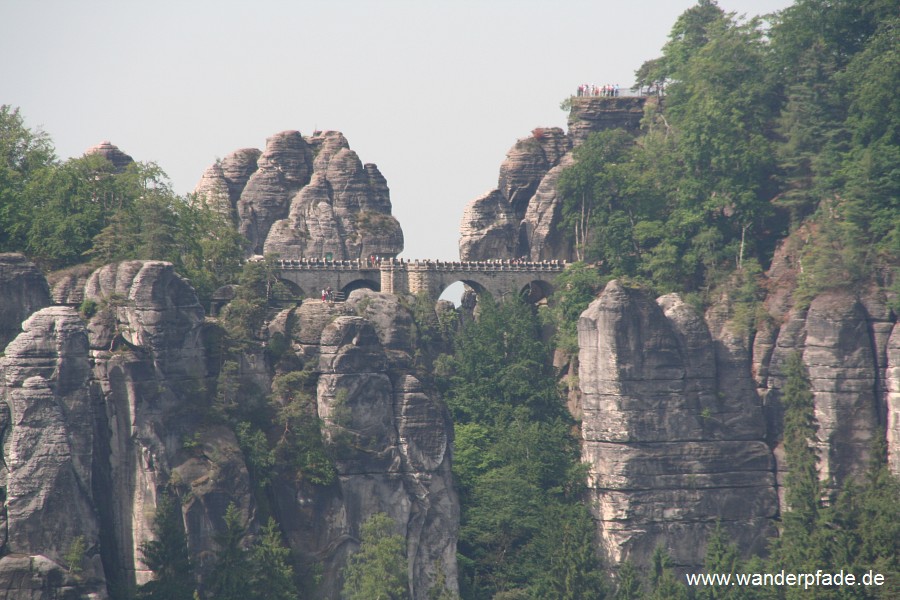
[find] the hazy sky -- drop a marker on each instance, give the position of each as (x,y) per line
(434,93)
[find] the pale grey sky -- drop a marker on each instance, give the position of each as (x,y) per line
(433,92)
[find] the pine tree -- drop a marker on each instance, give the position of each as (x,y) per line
(378,570)
(629,583)
(803,489)
(232,576)
(273,573)
(167,556)
(662,579)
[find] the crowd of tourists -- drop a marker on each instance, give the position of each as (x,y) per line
(589,89)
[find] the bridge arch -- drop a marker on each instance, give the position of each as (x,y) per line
(469,284)
(361,283)
(289,291)
(535,291)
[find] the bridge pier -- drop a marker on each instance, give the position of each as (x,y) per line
(393,277)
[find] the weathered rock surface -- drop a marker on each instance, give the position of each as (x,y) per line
(673,449)
(150,369)
(844,338)
(391,437)
(305,197)
(892,400)
(521,217)
(93,418)
(599,114)
(111,152)
(834,339)
(48,456)
(23,290)
(67,285)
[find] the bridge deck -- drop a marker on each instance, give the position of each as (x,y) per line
(480,266)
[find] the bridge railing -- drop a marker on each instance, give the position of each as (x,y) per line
(489,265)
(316,264)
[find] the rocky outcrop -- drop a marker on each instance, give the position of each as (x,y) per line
(150,372)
(48,458)
(521,216)
(305,197)
(892,400)
(111,152)
(674,448)
(93,418)
(590,114)
(844,339)
(23,290)
(493,225)
(222,184)
(100,417)
(389,433)
(834,340)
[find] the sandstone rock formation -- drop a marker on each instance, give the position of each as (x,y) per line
(674,448)
(23,290)
(391,436)
(521,216)
(48,455)
(844,337)
(111,152)
(305,197)
(95,417)
(99,417)
(149,368)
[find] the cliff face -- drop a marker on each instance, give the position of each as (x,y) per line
(847,339)
(95,415)
(48,452)
(391,436)
(24,291)
(674,444)
(520,217)
(305,197)
(682,412)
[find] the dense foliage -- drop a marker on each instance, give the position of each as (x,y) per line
(262,571)
(763,123)
(62,213)
(524,530)
(378,570)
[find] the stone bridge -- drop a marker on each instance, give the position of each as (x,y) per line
(498,278)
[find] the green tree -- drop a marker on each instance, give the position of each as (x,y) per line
(663,583)
(378,570)
(797,548)
(273,576)
(75,555)
(722,556)
(243,317)
(232,575)
(516,463)
(575,288)
(300,447)
(573,572)
(594,196)
(628,584)
(24,153)
(167,556)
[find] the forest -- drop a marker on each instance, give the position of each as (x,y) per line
(769,128)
